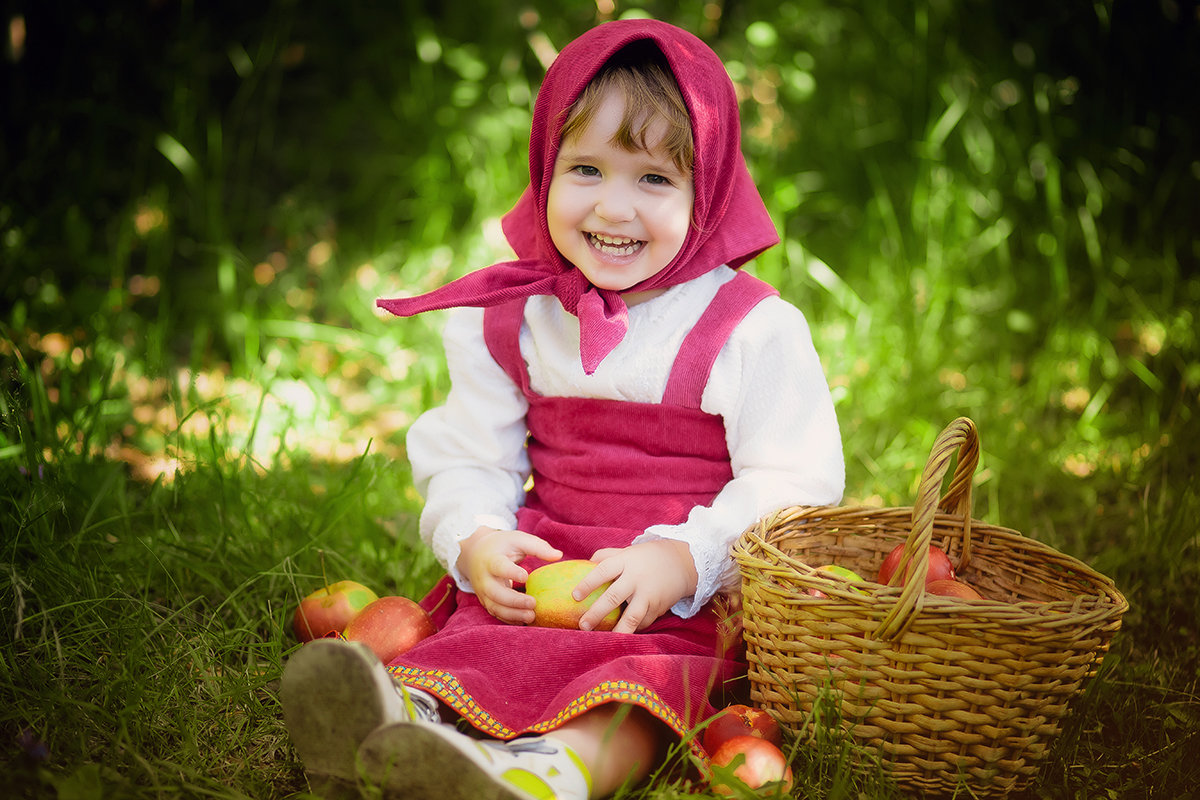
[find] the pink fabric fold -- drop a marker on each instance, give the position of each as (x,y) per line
(730,223)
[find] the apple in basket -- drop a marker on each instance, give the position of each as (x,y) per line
(955,587)
(740,720)
(844,573)
(751,761)
(390,626)
(329,609)
(940,567)
(551,586)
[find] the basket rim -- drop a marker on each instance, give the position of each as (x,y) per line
(754,553)
(819,512)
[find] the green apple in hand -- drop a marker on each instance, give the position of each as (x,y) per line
(551,585)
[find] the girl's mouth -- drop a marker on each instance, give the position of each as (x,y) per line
(614,245)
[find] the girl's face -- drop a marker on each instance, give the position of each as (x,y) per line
(619,216)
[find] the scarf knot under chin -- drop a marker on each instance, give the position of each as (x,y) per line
(603,316)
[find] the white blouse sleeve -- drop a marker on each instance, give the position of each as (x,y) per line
(468,456)
(783,438)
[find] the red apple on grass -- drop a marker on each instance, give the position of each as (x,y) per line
(329,609)
(740,720)
(551,585)
(940,567)
(953,588)
(390,626)
(755,762)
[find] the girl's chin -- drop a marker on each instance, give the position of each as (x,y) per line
(630,296)
(618,278)
(618,286)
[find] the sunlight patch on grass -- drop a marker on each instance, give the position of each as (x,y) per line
(148,218)
(165,424)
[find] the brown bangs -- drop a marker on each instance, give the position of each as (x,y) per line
(644,80)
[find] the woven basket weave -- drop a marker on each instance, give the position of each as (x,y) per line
(945,693)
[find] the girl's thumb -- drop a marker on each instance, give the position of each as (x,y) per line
(543,549)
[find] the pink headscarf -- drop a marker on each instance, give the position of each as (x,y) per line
(731,225)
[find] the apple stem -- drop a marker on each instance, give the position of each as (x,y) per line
(324,577)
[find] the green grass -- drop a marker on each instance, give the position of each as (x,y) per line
(200,412)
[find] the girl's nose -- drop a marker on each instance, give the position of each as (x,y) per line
(615,205)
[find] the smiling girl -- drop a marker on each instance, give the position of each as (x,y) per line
(655,399)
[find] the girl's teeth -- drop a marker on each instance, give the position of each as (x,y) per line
(613,245)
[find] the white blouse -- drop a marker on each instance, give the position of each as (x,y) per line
(767,384)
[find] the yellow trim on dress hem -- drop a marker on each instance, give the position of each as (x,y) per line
(450,691)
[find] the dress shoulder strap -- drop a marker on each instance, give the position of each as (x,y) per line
(502,334)
(694,362)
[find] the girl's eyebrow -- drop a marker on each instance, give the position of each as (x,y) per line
(572,153)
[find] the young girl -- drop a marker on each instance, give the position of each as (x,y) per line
(660,400)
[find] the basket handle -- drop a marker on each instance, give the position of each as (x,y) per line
(961,436)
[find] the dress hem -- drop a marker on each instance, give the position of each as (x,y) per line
(450,691)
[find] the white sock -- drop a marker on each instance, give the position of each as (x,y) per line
(419,704)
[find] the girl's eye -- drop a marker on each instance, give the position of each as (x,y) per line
(587,170)
(657,180)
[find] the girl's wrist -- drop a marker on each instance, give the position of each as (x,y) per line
(681,552)
(468,545)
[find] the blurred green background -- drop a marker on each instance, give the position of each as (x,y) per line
(988,208)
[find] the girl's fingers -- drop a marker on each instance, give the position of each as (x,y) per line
(530,545)
(512,616)
(502,594)
(612,597)
(509,605)
(631,620)
(602,573)
(508,570)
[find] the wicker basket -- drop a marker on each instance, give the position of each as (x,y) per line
(945,693)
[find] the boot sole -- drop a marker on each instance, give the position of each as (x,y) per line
(419,761)
(334,694)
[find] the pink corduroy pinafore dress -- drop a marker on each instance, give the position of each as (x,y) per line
(603,472)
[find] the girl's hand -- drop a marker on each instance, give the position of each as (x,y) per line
(489,559)
(649,577)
